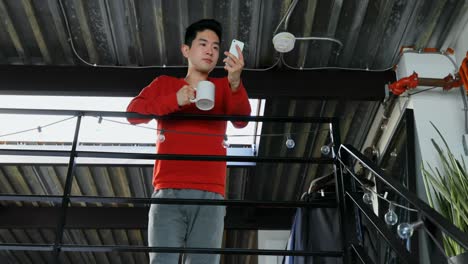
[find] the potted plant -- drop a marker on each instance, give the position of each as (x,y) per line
(446,190)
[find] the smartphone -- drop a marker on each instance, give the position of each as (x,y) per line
(233,49)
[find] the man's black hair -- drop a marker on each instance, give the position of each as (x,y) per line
(199,26)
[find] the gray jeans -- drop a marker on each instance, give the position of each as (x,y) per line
(177,225)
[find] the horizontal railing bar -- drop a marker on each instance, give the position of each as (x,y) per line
(291,119)
(227,251)
(382,229)
(204,157)
(425,210)
(118,248)
(148,156)
(319,203)
(329,203)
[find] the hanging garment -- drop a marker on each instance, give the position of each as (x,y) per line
(315,229)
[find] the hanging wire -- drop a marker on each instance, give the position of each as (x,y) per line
(361,69)
(425,90)
(75,52)
(280,57)
(286,16)
(455,66)
(332,68)
(36,128)
(128,124)
(212,135)
(443,53)
(438,245)
(421,91)
(374,192)
(100,118)
(437,53)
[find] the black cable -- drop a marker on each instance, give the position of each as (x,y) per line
(213,135)
(37,128)
(425,90)
(75,52)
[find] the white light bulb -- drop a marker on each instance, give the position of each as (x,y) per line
(405,230)
(325,149)
(391,218)
(367,197)
(161,137)
(290,143)
(225,142)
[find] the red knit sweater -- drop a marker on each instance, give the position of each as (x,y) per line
(159,98)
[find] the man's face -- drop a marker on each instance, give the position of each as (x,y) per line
(204,52)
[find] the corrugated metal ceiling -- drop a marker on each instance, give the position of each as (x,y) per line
(148,32)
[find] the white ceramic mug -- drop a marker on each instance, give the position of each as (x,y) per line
(205,94)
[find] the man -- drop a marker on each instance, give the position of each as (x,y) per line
(191,225)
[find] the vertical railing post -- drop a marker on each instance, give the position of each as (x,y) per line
(66,194)
(340,190)
(411,171)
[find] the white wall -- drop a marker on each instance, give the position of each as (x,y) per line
(272,239)
(443,108)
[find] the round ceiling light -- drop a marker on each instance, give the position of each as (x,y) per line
(284,42)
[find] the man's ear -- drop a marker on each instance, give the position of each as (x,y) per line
(185,50)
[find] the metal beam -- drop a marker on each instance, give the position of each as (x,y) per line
(237,218)
(95,81)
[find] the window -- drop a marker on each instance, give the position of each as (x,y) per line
(56,132)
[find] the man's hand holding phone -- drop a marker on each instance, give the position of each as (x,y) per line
(234,63)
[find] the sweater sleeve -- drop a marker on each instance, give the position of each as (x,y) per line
(155,99)
(238,104)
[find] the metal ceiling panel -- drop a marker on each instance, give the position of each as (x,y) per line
(134,33)
(149,32)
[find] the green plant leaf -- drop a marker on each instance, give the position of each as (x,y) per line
(447,189)
(440,135)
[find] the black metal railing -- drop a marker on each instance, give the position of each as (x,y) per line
(347,156)
(66,198)
(347,198)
